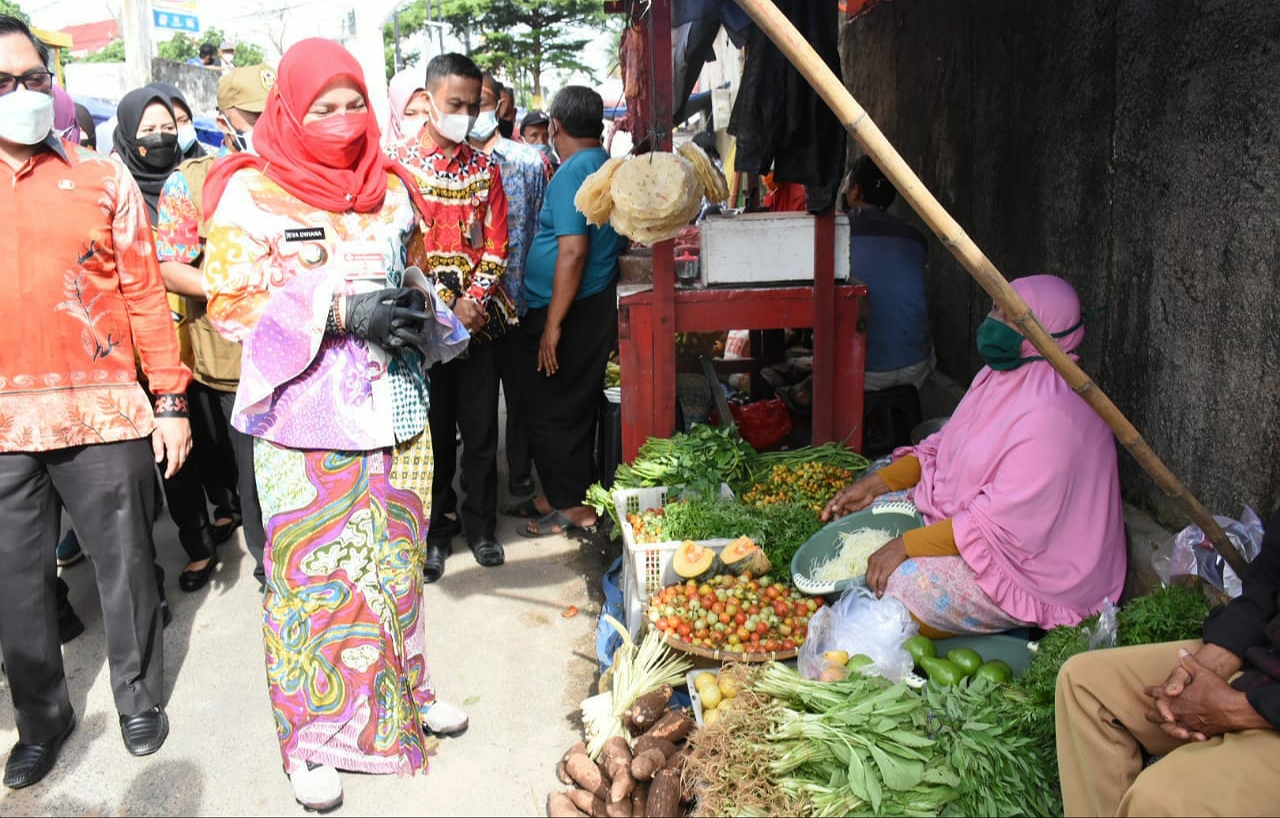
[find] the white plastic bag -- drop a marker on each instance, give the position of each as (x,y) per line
(1189,553)
(859,623)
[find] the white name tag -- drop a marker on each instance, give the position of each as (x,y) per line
(361,260)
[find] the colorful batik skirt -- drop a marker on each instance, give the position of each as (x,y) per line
(346,535)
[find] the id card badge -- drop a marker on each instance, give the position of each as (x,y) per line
(477,234)
(361,261)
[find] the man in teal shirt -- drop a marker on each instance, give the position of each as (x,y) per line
(571,278)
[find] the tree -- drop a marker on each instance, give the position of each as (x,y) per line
(519,40)
(178,48)
(14,10)
(112,52)
(527,38)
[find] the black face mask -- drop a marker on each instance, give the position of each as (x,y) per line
(506,127)
(158,150)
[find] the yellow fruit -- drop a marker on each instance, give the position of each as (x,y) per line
(836,657)
(833,673)
(729,687)
(702,678)
(711,697)
(710,717)
(727,704)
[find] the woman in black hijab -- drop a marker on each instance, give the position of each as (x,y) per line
(146,140)
(188,143)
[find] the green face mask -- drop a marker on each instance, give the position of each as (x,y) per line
(1001,345)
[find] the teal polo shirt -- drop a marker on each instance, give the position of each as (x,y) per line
(559,217)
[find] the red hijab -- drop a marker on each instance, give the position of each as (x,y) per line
(283,151)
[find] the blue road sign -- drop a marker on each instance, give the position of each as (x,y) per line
(177,22)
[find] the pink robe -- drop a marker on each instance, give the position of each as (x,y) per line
(1027,472)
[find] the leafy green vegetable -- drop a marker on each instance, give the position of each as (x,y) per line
(780,529)
(1167,614)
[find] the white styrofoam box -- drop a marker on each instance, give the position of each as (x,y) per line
(756,248)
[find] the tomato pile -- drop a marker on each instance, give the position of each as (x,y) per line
(647,526)
(808,484)
(734,613)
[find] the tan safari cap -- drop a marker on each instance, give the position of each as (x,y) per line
(246,88)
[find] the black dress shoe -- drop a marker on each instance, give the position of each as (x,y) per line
(433,567)
(192,581)
(145,732)
(488,552)
(521,486)
(28,763)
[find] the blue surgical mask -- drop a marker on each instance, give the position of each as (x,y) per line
(1001,345)
(486,123)
(186,137)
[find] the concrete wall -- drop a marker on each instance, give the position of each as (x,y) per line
(1132,147)
(106,80)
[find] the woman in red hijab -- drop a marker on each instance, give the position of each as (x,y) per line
(305,266)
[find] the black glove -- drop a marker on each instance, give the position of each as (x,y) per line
(384,316)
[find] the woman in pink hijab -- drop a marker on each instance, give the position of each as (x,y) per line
(65,124)
(1019,491)
(407,93)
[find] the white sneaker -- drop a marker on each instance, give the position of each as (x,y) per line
(317,788)
(445,719)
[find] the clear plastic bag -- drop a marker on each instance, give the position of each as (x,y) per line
(1103,634)
(1189,553)
(859,623)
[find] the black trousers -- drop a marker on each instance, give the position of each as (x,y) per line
(519,458)
(211,452)
(563,409)
(464,396)
(108,489)
(255,536)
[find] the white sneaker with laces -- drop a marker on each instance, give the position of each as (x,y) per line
(445,719)
(317,787)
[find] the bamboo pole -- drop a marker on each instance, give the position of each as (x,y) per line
(948,230)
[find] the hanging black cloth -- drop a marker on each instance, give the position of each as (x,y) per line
(779,121)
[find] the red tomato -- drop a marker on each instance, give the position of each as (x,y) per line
(753,609)
(781,609)
(762,628)
(771,645)
(684,630)
(788,644)
(740,618)
(717,607)
(725,618)
(801,609)
(743,633)
(771,592)
(753,585)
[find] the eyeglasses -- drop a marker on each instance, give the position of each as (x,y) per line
(32,80)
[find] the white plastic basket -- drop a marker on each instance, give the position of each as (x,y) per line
(646,567)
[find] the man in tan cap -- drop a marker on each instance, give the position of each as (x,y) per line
(242,94)
(180,237)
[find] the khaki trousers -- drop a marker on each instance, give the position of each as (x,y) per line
(1102,735)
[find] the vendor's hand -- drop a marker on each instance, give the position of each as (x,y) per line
(171,442)
(882,564)
(1205,705)
(1222,662)
(470,312)
(854,497)
(547,361)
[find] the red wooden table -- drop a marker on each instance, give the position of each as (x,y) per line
(648,393)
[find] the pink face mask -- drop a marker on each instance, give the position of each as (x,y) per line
(337,141)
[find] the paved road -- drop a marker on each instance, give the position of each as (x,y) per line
(497,643)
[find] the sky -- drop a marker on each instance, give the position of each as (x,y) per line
(264,22)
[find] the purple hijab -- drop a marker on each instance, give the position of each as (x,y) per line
(64,116)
